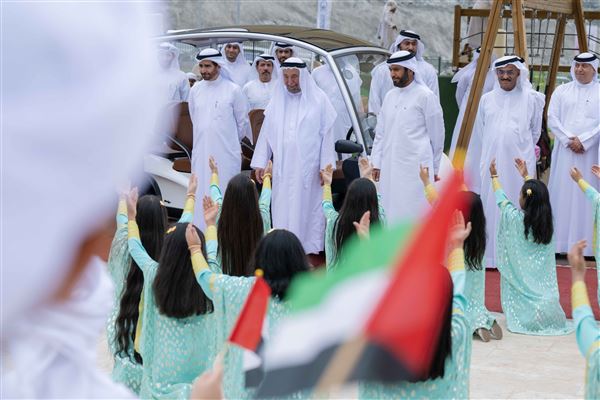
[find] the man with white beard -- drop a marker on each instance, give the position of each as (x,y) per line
(237,65)
(173,80)
(574,119)
(219,113)
(508,126)
(382,83)
(297,132)
(258,91)
(409,134)
(464,80)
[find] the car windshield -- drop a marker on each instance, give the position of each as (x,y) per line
(356,70)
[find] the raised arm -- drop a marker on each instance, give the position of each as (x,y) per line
(136,249)
(587,331)
(430,192)
(327,203)
(554,123)
(204,275)
(188,210)
(214,189)
(589,191)
(501,199)
(211,212)
(264,201)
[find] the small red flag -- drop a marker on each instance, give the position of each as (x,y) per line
(407,318)
(247,331)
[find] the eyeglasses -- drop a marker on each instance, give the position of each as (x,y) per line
(501,72)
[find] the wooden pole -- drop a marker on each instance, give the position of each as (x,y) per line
(580,25)
(487,46)
(520,35)
(555,59)
(456,42)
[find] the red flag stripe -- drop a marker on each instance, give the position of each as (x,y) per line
(247,331)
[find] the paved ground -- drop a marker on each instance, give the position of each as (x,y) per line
(516,367)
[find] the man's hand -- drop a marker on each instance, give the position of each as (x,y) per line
(362,227)
(575,145)
(521,166)
(327,175)
(192,185)
(211,209)
(577,261)
(132,199)
(365,168)
(212,164)
(259,172)
(376,173)
(575,174)
(493,171)
(596,171)
(424,175)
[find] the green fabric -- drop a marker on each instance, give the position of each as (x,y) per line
(593,195)
(529,289)
(478,314)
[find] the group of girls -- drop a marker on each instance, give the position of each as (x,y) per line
(179,290)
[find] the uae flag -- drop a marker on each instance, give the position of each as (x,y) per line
(249,330)
(367,321)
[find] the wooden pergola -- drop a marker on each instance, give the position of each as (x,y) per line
(561,10)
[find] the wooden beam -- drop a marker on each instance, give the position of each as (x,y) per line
(487,46)
(520,35)
(580,25)
(456,42)
(555,60)
(477,12)
(559,6)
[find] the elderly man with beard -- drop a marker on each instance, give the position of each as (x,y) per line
(409,134)
(508,126)
(258,91)
(298,134)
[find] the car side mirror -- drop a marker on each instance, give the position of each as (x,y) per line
(348,147)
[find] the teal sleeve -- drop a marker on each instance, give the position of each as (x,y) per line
(186,218)
(122,220)
(329,210)
(139,254)
(587,332)
(382,218)
(502,200)
(204,278)
(592,194)
(216,196)
(212,248)
(264,204)
(459,301)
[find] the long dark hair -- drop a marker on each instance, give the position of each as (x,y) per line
(176,291)
(240,226)
(474,246)
(538,211)
(360,197)
(281,256)
(444,345)
(151,218)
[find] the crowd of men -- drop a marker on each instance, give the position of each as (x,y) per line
(304,117)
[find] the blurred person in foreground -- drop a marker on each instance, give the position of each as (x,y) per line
(60,168)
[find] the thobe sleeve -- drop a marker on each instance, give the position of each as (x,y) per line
(432,81)
(188,210)
(461,90)
(264,204)
(554,119)
(327,145)
(375,100)
(240,112)
(191,102)
(477,135)
(536,118)
(587,332)
(184,89)
(377,143)
(262,150)
(434,123)
(136,249)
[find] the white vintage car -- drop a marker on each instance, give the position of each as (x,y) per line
(351,61)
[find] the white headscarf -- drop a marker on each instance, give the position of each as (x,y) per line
(280,45)
(470,67)
(409,35)
(241,57)
(265,57)
(408,60)
(587,58)
(174,51)
(67,141)
(216,57)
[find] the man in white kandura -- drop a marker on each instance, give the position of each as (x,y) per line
(173,81)
(238,67)
(381,82)
(258,91)
(574,119)
(409,133)
(508,126)
(219,113)
(464,79)
(297,132)
(283,51)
